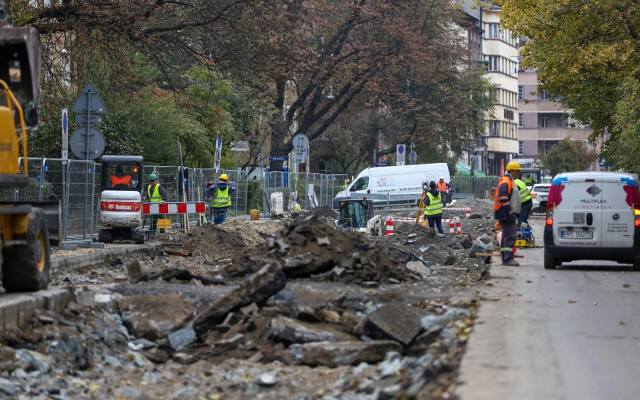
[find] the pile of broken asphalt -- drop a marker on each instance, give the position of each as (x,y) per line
(310,312)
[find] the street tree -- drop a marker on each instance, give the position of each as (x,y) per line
(567,156)
(588,55)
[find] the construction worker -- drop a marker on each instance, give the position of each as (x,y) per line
(443,188)
(433,207)
(526,199)
(120,180)
(154,193)
(345,184)
(506,208)
(219,198)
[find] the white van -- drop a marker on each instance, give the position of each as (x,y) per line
(592,216)
(396,185)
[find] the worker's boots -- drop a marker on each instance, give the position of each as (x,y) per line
(511,263)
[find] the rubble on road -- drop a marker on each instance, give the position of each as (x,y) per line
(311,248)
(226,240)
(277,309)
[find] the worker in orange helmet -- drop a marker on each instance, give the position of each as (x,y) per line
(506,208)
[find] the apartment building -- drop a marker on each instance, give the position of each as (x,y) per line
(543,122)
(500,51)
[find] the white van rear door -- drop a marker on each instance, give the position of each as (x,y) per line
(577,219)
(617,215)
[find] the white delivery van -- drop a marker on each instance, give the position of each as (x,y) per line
(396,185)
(592,216)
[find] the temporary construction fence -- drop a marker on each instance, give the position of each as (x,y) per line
(478,186)
(76,184)
(310,190)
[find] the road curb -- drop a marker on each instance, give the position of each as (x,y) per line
(99,255)
(18,308)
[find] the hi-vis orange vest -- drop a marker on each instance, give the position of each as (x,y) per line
(442,186)
(125,180)
(497,204)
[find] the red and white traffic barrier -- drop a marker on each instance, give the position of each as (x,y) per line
(465,210)
(197,207)
(388,227)
(455,226)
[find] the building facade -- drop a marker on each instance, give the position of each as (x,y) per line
(543,122)
(500,52)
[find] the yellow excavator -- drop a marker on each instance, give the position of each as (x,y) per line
(27,228)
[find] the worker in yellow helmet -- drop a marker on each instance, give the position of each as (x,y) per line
(154,193)
(219,198)
(506,209)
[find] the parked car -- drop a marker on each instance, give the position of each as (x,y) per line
(396,185)
(540,191)
(592,216)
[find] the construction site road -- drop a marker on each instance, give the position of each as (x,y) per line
(570,333)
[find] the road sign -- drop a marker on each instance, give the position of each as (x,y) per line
(400,154)
(300,148)
(278,158)
(240,146)
(65,134)
(87,143)
(89,101)
(94,119)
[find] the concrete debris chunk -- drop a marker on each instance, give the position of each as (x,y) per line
(134,270)
(418,267)
(333,354)
(256,288)
(155,316)
(323,241)
(33,361)
(395,321)
(434,323)
(267,379)
(287,330)
(7,387)
(181,338)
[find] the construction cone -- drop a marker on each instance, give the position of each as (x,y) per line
(388,227)
(458,227)
(451,226)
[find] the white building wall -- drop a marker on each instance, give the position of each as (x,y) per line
(500,51)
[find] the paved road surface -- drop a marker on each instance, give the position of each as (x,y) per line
(572,333)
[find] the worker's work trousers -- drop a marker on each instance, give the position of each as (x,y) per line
(153,225)
(523,217)
(435,222)
(443,196)
(508,240)
(218,214)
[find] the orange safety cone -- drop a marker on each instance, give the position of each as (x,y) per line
(452,227)
(388,227)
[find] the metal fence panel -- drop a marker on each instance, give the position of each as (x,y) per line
(479,186)
(76,183)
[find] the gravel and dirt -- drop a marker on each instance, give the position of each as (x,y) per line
(270,310)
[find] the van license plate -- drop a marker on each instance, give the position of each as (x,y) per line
(576,234)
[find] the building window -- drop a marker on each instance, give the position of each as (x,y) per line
(520,120)
(544,95)
(494,128)
(508,114)
(544,121)
(520,90)
(548,146)
(494,31)
(494,63)
(520,147)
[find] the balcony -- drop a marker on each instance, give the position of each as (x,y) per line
(540,106)
(540,134)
